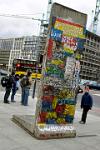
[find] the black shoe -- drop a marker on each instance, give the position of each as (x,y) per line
(81,122)
(7,102)
(13,101)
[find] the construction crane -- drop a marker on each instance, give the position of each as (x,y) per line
(96,15)
(44,29)
(50,2)
(20,17)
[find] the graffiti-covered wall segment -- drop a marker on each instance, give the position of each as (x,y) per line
(61,74)
(56,104)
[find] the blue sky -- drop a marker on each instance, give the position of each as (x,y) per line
(11,27)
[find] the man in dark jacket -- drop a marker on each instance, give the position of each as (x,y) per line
(9,87)
(86,104)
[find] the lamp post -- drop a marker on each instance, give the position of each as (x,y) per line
(34,86)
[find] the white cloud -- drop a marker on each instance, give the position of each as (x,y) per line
(10,27)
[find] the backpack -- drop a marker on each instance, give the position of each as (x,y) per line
(4,81)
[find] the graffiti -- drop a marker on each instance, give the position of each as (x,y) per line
(66,101)
(69,110)
(42,117)
(48,90)
(57,46)
(61,73)
(55,82)
(73,43)
(58,83)
(48,98)
(61,114)
(59,109)
(69,29)
(45,128)
(59,55)
(56,34)
(77,71)
(51,115)
(69,118)
(70,42)
(46,106)
(54,102)
(48,114)
(49,50)
(61,120)
(57,62)
(77,66)
(69,52)
(66,93)
(69,68)
(54,71)
(77,55)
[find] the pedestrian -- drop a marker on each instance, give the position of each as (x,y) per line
(86,104)
(15,87)
(8,87)
(25,85)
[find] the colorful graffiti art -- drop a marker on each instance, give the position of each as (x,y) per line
(61,73)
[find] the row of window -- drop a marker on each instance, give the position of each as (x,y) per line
(92,44)
(89,64)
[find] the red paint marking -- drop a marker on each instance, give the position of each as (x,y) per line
(67,22)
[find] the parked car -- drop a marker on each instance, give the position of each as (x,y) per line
(94,86)
(3,72)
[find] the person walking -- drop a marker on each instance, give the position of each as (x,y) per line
(86,104)
(25,85)
(8,87)
(15,87)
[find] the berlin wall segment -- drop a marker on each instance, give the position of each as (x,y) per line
(56,98)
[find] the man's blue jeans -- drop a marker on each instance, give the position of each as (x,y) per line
(25,94)
(13,94)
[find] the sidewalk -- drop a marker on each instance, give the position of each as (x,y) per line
(12,137)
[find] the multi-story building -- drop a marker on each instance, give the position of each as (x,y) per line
(5,50)
(30,49)
(24,47)
(90,62)
(15,51)
(9,49)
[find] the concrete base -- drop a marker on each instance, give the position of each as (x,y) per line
(44,131)
(54,131)
(25,121)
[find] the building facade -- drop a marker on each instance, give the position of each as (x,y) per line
(90,62)
(24,47)
(16,51)
(5,50)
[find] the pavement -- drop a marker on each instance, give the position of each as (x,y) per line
(13,137)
